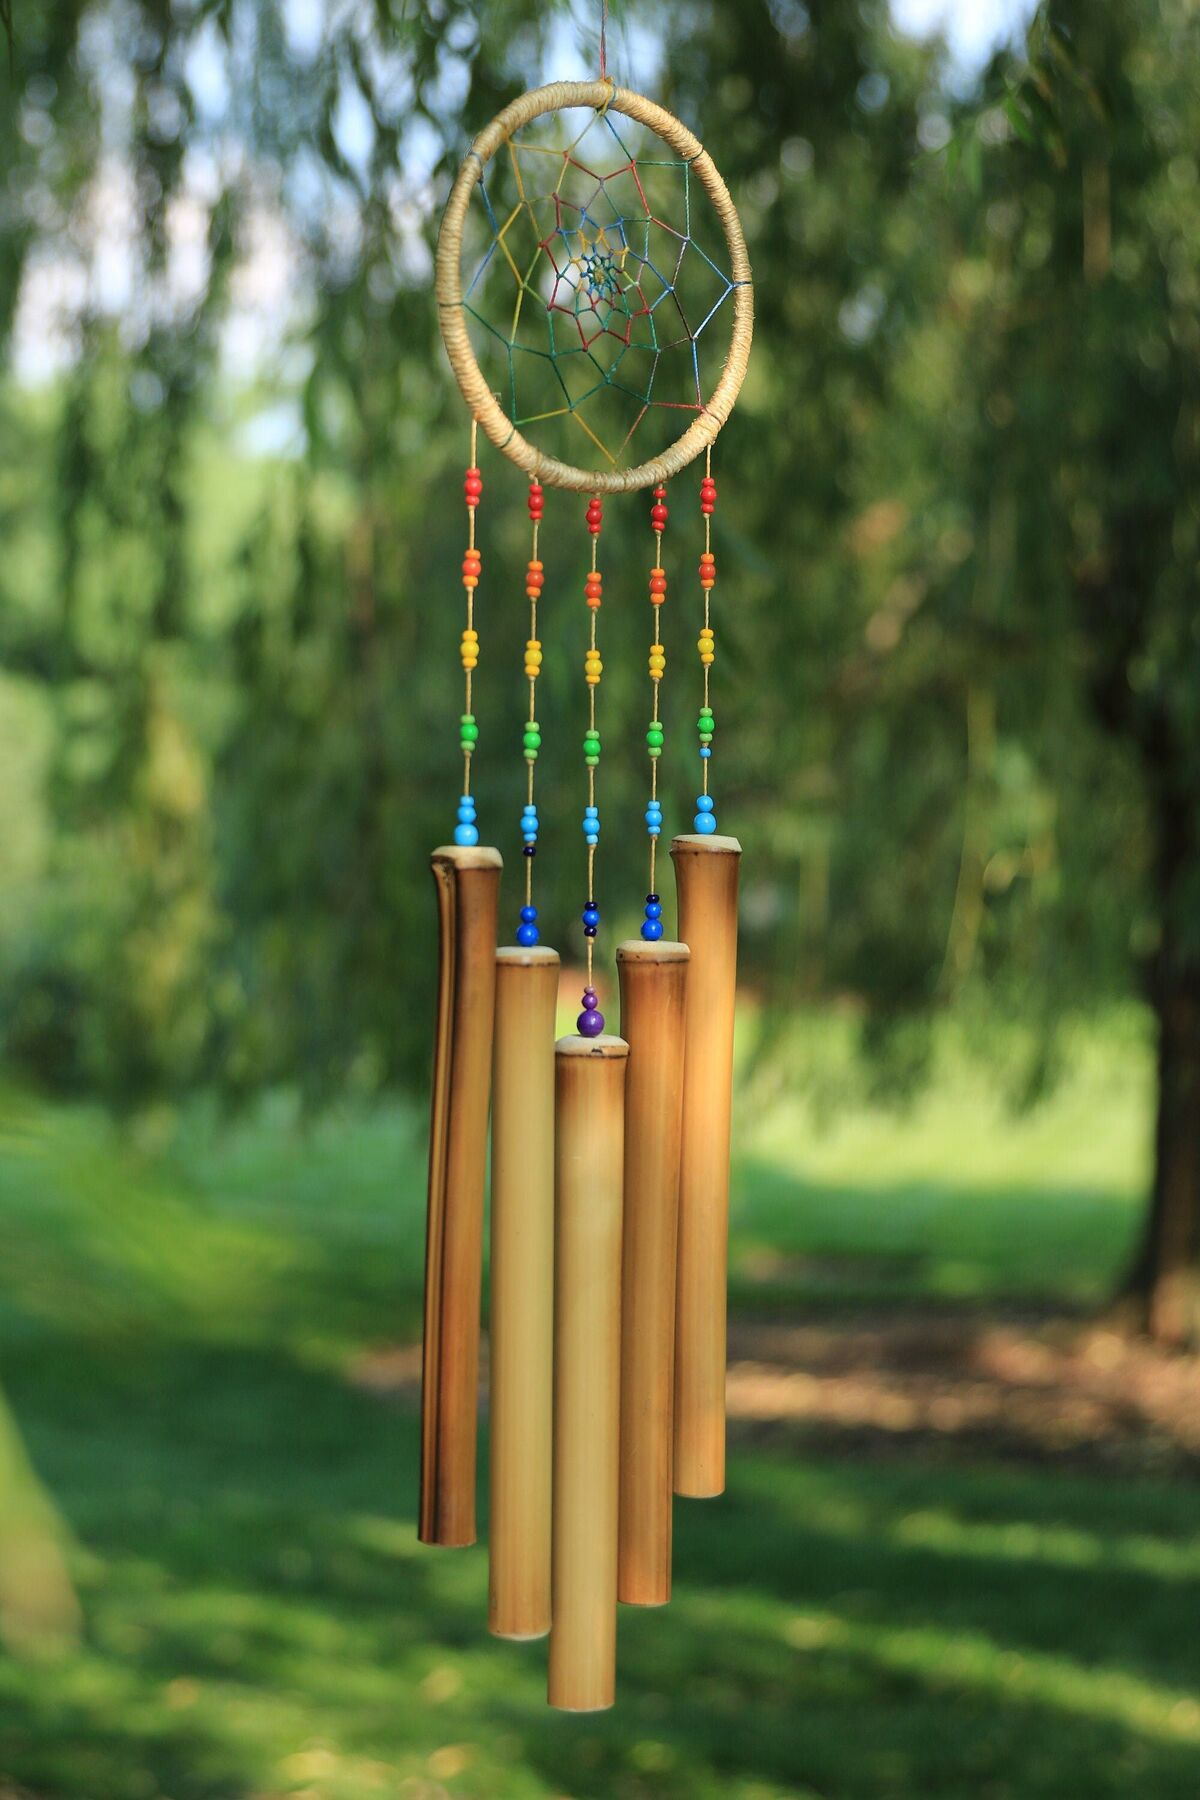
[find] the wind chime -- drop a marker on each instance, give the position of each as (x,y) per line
(606,228)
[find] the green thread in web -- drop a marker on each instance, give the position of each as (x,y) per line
(592,292)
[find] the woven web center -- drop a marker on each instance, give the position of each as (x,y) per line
(594,288)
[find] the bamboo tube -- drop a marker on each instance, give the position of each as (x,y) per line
(522,1292)
(588,1149)
(653,994)
(468,887)
(706,877)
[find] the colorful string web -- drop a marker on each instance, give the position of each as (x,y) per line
(597,276)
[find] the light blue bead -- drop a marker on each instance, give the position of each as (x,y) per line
(706,750)
(529,837)
(704,803)
(591,838)
(654,830)
(705,823)
(466,834)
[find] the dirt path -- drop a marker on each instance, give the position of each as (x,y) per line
(959,1385)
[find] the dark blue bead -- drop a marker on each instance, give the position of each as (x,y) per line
(590,930)
(652,899)
(528,915)
(530,850)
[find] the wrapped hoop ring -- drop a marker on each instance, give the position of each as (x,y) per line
(485,408)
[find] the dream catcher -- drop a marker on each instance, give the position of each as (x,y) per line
(592,278)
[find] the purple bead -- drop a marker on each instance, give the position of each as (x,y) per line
(590,1023)
(589,999)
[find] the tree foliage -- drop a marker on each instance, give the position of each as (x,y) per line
(957,691)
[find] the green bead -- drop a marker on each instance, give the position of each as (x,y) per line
(592,762)
(655,750)
(706,712)
(591,741)
(655,735)
(706,737)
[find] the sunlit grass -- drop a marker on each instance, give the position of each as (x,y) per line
(179,1331)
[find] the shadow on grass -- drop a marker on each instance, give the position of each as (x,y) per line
(260,1619)
(795,1240)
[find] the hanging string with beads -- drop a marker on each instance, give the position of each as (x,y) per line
(705,820)
(466,832)
(591,1021)
(652,923)
(527,930)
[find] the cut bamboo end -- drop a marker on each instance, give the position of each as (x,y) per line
(588,1157)
(706,876)
(468,888)
(653,981)
(522,1292)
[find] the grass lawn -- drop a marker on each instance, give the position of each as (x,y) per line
(179,1336)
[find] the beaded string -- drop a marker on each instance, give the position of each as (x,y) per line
(527,930)
(652,923)
(591,1021)
(705,821)
(466,831)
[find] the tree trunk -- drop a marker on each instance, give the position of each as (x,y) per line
(1161,1292)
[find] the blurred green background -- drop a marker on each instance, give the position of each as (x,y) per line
(958,702)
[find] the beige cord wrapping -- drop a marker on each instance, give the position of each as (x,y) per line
(479,397)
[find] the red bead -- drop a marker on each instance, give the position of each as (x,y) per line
(595,514)
(658,516)
(535,500)
(658,582)
(473,486)
(708,494)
